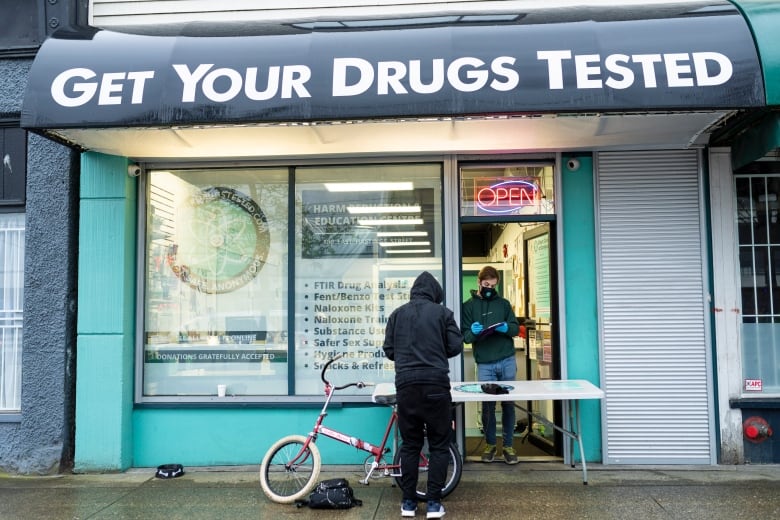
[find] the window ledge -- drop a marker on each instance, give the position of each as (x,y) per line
(755,402)
(10,417)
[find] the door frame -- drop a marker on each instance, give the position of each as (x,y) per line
(551,221)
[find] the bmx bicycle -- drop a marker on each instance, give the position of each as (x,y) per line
(291,466)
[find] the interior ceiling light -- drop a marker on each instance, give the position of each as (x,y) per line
(396,244)
(369,186)
(383,209)
(401,251)
(390,222)
(418,264)
(386,234)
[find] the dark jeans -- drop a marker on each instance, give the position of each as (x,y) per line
(424,409)
(501,370)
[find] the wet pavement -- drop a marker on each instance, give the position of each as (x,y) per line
(529,490)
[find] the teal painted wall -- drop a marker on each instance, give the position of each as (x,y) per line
(111,435)
(106,313)
(212,436)
(579,273)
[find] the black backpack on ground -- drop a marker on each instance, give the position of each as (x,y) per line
(334,493)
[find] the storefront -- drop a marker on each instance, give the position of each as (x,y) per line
(257,199)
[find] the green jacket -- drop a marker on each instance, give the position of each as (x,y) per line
(498,345)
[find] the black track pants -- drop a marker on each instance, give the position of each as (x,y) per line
(424,409)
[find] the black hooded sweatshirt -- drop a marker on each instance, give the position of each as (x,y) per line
(421,335)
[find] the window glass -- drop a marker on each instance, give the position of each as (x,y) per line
(746,210)
(13,152)
(216,302)
(504,190)
(21,24)
(216,280)
(363,234)
(759,266)
(11,304)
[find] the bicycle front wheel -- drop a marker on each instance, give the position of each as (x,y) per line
(289,472)
(454,470)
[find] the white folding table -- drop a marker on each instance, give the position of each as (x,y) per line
(569,391)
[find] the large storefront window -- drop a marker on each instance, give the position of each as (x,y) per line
(758,208)
(366,232)
(217,309)
(216,280)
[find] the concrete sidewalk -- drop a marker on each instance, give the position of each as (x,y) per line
(538,491)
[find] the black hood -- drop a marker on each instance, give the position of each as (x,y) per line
(426,286)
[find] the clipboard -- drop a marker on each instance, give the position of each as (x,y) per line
(490,330)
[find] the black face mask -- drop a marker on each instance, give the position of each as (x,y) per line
(487,292)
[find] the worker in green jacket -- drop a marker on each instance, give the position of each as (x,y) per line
(489,324)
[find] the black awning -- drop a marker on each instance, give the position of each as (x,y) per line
(577,60)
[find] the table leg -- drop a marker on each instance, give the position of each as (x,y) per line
(579,441)
(569,414)
(568,430)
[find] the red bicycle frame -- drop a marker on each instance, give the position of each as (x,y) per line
(377,451)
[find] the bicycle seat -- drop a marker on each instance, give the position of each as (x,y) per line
(384,393)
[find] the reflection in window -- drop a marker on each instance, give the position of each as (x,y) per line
(759,267)
(363,234)
(216,278)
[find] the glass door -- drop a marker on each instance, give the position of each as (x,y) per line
(541,360)
(507,221)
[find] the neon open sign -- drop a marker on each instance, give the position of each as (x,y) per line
(506,197)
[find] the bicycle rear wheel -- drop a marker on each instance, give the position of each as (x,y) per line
(288,472)
(454,471)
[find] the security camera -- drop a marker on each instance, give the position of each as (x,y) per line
(573,164)
(134,170)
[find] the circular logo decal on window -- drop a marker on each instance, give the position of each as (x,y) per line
(223,241)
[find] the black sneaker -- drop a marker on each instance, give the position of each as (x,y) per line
(408,508)
(435,509)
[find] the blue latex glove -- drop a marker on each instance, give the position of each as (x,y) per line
(476,328)
(503,327)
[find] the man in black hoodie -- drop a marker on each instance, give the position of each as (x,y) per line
(420,337)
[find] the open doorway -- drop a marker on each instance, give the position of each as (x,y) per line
(522,249)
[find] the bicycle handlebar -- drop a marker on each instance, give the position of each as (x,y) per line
(359,384)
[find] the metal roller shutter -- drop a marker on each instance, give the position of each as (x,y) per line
(655,340)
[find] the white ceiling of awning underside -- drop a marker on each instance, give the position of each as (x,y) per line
(353,138)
